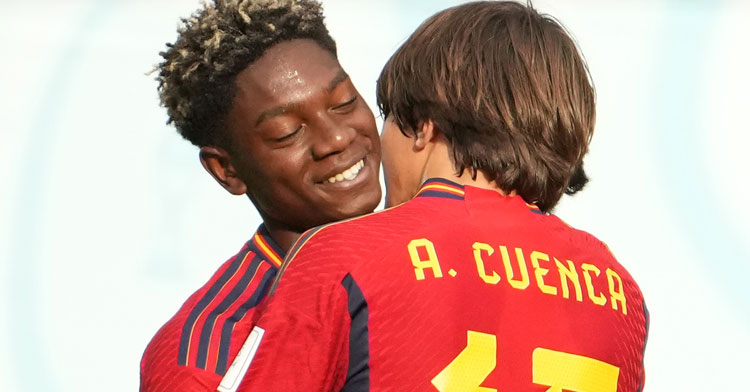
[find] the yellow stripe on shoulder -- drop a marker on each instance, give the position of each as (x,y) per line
(442,187)
(267,250)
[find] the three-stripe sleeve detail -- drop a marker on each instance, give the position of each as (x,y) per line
(228,328)
(209,324)
(202,305)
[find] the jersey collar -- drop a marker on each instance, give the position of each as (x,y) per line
(267,247)
(440,187)
(512,201)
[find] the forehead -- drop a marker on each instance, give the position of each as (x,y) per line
(288,72)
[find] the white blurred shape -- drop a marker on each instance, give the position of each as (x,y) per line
(725,125)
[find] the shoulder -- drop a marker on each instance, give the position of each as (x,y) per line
(597,253)
(161,368)
(342,245)
(317,264)
(199,341)
(368,234)
(594,246)
(581,239)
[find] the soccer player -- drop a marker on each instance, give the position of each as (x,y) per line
(258,87)
(469,283)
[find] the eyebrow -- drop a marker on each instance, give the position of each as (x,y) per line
(340,77)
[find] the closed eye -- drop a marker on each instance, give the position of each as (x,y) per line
(345,105)
(289,135)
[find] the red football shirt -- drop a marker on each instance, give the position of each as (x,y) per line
(195,348)
(456,290)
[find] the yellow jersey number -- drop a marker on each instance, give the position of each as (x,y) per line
(557,370)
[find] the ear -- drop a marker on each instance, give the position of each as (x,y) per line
(218,164)
(426,134)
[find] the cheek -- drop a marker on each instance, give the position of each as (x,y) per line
(394,154)
(364,121)
(386,152)
(275,173)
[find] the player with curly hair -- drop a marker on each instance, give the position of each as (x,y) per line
(257,86)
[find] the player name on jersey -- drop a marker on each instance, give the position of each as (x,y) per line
(600,286)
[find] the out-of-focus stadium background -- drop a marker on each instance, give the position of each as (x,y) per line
(108,221)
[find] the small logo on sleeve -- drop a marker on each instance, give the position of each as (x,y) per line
(241,363)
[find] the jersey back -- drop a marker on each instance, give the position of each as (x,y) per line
(467,290)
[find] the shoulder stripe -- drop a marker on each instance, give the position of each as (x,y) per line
(535,209)
(228,328)
(446,188)
(446,195)
(438,180)
(301,241)
(358,372)
(206,333)
(200,307)
(266,249)
(440,187)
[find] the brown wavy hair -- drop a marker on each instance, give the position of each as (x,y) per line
(509,89)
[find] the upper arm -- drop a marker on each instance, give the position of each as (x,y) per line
(171,377)
(305,340)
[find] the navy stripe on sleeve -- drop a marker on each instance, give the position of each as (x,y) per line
(358,374)
(231,298)
(442,194)
(226,332)
(213,291)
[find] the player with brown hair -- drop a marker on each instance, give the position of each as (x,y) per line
(468,283)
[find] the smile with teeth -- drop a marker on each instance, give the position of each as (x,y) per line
(348,174)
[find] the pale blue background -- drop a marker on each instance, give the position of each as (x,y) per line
(108,222)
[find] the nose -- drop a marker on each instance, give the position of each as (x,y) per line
(332,137)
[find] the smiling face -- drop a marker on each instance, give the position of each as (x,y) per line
(304,142)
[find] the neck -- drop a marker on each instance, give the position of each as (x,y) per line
(285,238)
(439,164)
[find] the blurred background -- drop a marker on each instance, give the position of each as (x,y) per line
(108,221)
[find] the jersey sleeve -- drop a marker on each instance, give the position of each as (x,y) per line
(305,340)
(160,371)
(194,349)
(177,378)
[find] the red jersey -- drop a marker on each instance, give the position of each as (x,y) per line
(194,349)
(456,290)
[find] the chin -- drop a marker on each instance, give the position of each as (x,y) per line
(365,205)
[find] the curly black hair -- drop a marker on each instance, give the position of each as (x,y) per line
(218,41)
